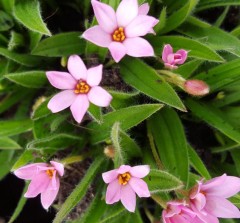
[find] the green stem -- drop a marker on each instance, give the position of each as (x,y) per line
(109,63)
(148,214)
(159,201)
(72,159)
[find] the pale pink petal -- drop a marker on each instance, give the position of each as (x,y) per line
(123,169)
(29,171)
(105,15)
(196,189)
(100,97)
(140,171)
(48,196)
(128,198)
(143,9)
(140,26)
(110,176)
(97,36)
(199,201)
(77,68)
(139,186)
(223,186)
(53,184)
(207,218)
(221,207)
(79,107)
(167,49)
(113,192)
(61,80)
(126,12)
(183,54)
(178,219)
(61,100)
(94,75)
(138,47)
(38,184)
(59,167)
(118,51)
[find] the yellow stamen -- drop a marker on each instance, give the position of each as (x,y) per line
(82,87)
(50,173)
(124,178)
(119,35)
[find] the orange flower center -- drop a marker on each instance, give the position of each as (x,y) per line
(119,35)
(124,178)
(82,87)
(50,173)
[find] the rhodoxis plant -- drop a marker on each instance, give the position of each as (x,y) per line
(138,100)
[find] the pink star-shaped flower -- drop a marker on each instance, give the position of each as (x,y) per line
(121,31)
(45,180)
(124,183)
(80,87)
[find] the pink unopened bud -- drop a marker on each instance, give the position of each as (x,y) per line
(196,87)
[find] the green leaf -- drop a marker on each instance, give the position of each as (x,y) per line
(25,158)
(146,80)
(6,159)
(197,163)
(16,40)
(161,181)
(206,4)
(170,140)
(24,59)
(213,117)
(6,21)
(212,36)
(162,20)
(178,17)
(30,79)
(79,192)
(95,112)
(57,141)
(116,212)
(27,12)
(132,116)
(8,143)
(42,110)
(64,44)
(15,127)
(196,49)
(236,158)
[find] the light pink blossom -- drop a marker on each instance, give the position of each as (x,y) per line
(196,87)
(45,180)
(209,201)
(121,31)
(80,87)
(170,59)
(179,212)
(124,183)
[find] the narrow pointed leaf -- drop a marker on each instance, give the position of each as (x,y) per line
(8,143)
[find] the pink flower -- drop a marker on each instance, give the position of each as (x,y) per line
(196,87)
(171,59)
(125,183)
(80,86)
(209,201)
(179,212)
(121,31)
(45,180)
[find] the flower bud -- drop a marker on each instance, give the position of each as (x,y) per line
(109,151)
(196,87)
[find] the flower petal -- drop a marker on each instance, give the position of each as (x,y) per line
(140,171)
(138,47)
(143,9)
(140,26)
(199,201)
(126,12)
(97,36)
(140,187)
(48,196)
(223,186)
(128,198)
(61,80)
(123,169)
(221,207)
(38,184)
(167,49)
(100,97)
(61,100)
(77,68)
(183,54)
(118,51)
(113,192)
(29,171)
(59,167)
(94,75)
(79,107)
(110,176)
(105,15)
